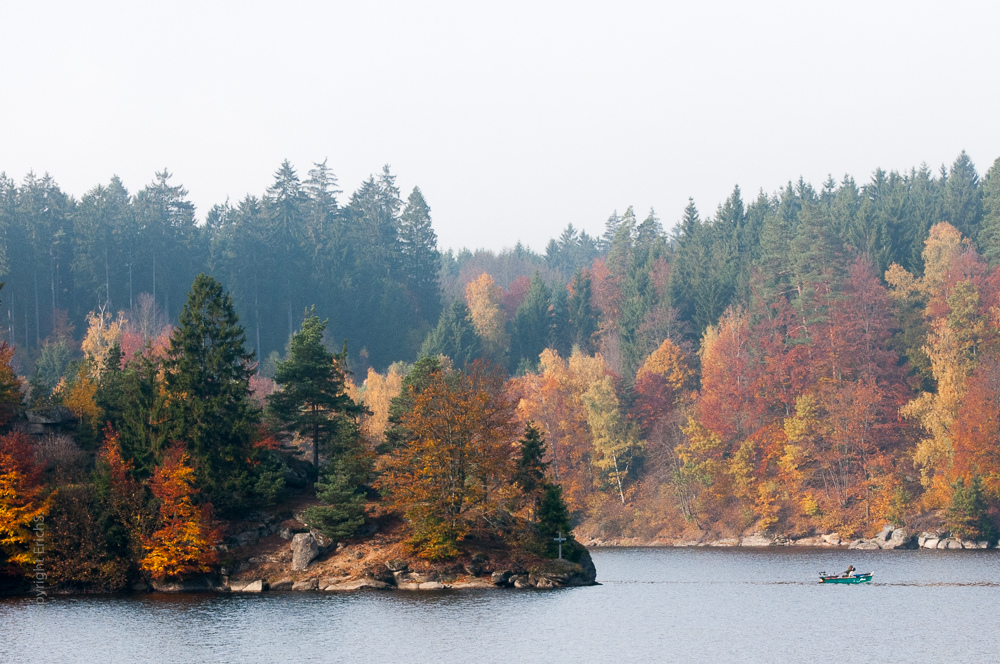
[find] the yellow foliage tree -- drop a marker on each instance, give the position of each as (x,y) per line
(553,400)
(103,332)
(956,332)
(614,440)
(485,301)
(378,393)
(670,362)
(80,395)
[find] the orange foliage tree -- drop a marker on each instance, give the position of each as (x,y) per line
(22,502)
(183,543)
(455,470)
(797,416)
(553,399)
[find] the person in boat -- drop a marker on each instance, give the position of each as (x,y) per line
(850,570)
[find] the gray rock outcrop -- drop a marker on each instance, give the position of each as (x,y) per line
(304,551)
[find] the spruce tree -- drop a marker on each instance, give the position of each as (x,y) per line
(312,401)
(553,516)
(420,255)
(455,336)
(206,398)
(532,324)
(963,207)
(342,512)
(562,332)
(530,472)
(989,234)
(582,318)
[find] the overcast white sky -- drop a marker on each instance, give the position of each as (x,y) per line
(513,118)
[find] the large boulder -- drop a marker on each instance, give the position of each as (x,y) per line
(500,578)
(304,551)
(899,538)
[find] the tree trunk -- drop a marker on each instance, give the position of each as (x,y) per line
(316,444)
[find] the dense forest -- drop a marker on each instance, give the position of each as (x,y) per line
(811,360)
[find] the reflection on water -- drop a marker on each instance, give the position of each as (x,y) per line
(699,605)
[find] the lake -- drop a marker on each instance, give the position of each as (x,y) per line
(655,605)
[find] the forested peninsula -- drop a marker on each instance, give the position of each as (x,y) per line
(302,390)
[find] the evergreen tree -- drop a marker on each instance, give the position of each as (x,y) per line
(455,336)
(989,235)
(529,474)
(170,253)
(284,209)
(532,325)
(206,399)
(966,516)
(562,333)
(688,263)
(342,512)
(420,255)
(582,318)
(963,207)
(553,517)
(312,401)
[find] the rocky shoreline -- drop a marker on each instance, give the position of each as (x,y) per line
(547,575)
(889,538)
(278,556)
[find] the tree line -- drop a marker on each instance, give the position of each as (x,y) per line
(814,360)
(371,265)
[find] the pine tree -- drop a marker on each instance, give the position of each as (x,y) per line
(284,209)
(562,332)
(688,263)
(312,401)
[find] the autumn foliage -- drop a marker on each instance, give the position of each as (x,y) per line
(182,545)
(23,502)
(454,471)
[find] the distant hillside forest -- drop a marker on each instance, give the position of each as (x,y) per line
(813,359)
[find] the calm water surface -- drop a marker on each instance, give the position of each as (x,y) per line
(655,605)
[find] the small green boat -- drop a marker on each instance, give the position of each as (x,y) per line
(863,577)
